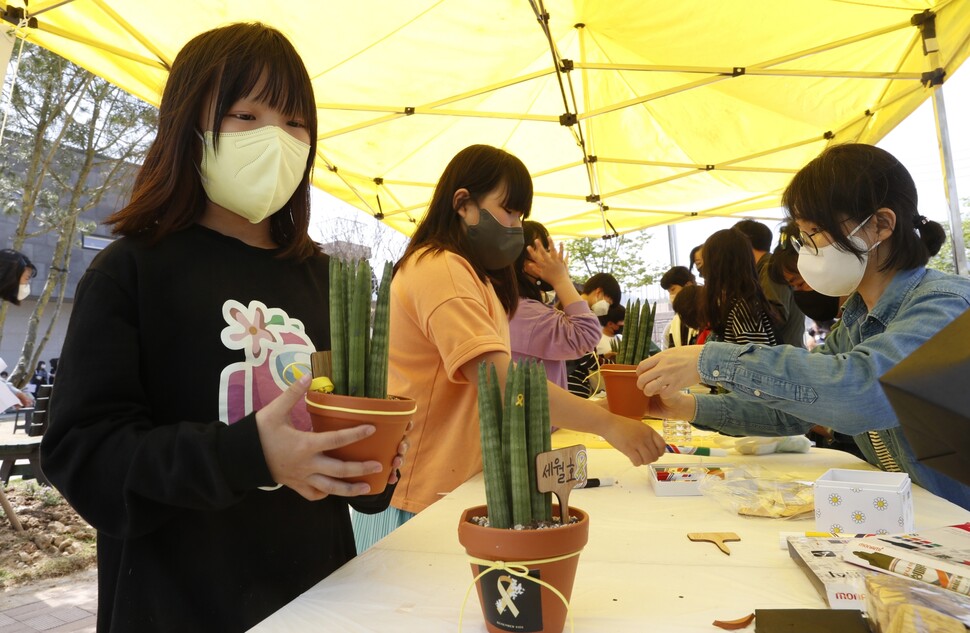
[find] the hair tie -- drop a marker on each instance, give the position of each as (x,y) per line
(919,221)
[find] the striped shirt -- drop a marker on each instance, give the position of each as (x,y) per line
(745,327)
(886,461)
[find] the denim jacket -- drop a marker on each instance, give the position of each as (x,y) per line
(785,390)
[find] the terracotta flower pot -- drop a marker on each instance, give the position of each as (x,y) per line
(511,603)
(329,412)
(622,394)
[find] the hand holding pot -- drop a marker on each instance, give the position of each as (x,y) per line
(676,406)
(402,450)
(669,371)
(296,458)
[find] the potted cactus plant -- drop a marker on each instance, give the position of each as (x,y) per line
(622,394)
(350,382)
(523,553)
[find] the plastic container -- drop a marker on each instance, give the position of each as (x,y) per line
(677,432)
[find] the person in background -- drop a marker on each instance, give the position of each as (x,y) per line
(612,323)
(736,308)
(214,504)
(697,260)
(541,331)
(53,371)
(24,398)
(689,305)
(16,271)
(861,235)
(452,295)
(677,332)
(823,311)
(601,292)
(783,268)
(39,378)
(791,326)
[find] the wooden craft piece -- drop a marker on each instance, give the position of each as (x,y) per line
(559,471)
(718,538)
(320,364)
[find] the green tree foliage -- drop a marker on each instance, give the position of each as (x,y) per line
(71,139)
(944,259)
(622,256)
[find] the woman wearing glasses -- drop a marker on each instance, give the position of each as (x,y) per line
(860,235)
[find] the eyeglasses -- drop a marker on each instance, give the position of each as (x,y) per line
(807,241)
(804,240)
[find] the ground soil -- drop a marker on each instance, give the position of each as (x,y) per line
(55,541)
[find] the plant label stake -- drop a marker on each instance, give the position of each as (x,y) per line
(320,364)
(558,472)
(718,538)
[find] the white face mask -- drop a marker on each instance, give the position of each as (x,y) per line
(600,308)
(833,272)
(254,173)
(23,292)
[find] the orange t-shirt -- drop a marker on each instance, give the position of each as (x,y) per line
(442,316)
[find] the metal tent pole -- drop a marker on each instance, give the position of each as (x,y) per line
(672,243)
(949,183)
(933,79)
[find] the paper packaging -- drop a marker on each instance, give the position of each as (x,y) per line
(841,584)
(857,501)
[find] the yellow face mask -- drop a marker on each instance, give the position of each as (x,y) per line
(254,173)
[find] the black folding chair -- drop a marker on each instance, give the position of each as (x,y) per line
(38,420)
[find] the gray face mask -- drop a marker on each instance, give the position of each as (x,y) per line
(496,246)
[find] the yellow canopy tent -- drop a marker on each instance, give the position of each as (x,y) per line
(629,113)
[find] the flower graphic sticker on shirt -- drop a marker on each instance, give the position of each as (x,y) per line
(276,351)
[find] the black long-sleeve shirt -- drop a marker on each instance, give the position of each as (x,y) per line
(170,350)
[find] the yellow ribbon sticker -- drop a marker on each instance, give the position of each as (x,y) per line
(581,461)
(503,590)
(520,400)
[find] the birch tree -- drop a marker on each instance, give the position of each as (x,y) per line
(71,140)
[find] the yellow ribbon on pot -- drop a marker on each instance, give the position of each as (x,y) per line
(327,407)
(520,569)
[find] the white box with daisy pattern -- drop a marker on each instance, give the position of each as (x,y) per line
(863,502)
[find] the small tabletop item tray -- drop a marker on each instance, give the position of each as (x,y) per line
(679,480)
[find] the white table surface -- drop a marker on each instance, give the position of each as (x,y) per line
(639,572)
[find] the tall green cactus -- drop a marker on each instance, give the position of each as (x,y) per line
(627,345)
(513,433)
(644,338)
(338,326)
(380,338)
(497,493)
(540,437)
(358,356)
(358,326)
(637,342)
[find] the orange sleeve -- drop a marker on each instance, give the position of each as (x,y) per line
(457,312)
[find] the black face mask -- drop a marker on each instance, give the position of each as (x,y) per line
(619,331)
(495,245)
(816,306)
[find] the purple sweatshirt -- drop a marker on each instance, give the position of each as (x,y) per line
(553,336)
